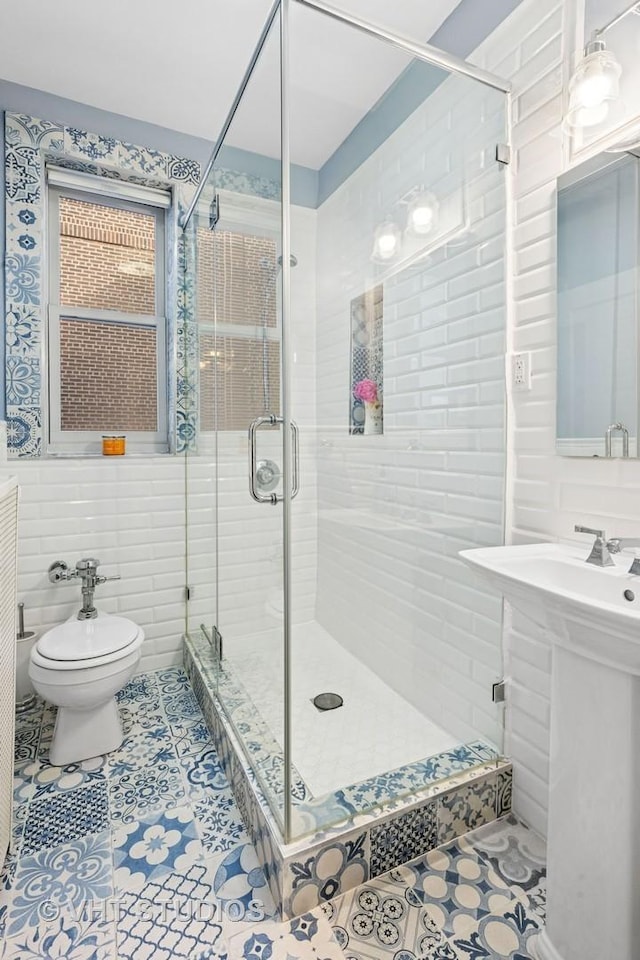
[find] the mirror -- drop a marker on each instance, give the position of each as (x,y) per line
(598,249)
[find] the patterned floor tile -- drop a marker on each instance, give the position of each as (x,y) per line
(309,937)
(190,736)
(172,682)
(64,937)
(63,878)
(145,850)
(136,794)
(140,689)
(26,742)
(219,822)
(45,779)
(62,817)
(238,878)
(182,706)
(203,772)
(143,748)
(173,917)
(511,935)
(517,854)
(467,808)
(458,888)
(384,919)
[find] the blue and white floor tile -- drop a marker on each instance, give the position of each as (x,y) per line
(143,855)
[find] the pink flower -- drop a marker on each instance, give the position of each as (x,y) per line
(366,390)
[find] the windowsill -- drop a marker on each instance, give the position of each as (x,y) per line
(138,455)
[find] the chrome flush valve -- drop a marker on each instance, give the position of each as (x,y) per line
(86,570)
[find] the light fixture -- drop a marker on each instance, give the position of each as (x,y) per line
(594,86)
(422,214)
(386,241)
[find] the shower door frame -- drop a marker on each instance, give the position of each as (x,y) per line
(428,54)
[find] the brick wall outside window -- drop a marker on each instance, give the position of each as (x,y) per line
(237,277)
(108,371)
(109,376)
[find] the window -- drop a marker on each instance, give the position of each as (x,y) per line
(107,328)
(237,282)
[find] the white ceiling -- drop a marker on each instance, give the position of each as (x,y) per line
(180,65)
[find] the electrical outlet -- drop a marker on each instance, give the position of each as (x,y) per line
(521,371)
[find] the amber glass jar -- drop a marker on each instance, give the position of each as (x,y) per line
(113,446)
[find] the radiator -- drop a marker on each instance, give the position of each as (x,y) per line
(8,564)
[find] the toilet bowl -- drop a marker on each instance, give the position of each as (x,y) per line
(79,666)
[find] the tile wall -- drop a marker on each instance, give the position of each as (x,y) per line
(394,510)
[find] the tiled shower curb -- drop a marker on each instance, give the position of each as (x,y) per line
(306,872)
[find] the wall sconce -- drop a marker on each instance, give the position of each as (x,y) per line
(422,214)
(387,241)
(419,216)
(594,87)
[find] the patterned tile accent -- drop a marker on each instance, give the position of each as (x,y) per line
(219,822)
(308,936)
(402,838)
(383,919)
(466,808)
(147,849)
(336,868)
(239,878)
(61,817)
(64,936)
(175,917)
(137,793)
(518,856)
(66,876)
(29,143)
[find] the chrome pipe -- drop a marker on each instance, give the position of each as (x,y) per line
(632,8)
(232,112)
(439,58)
(287,438)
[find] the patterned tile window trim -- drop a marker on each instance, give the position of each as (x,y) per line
(29,144)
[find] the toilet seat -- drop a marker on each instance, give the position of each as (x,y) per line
(80,644)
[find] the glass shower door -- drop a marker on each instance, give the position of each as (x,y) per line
(401,327)
(239,302)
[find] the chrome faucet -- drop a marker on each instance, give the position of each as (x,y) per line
(85,570)
(599,555)
(602,549)
(618,544)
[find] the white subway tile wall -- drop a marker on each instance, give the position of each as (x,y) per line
(129,513)
(394,510)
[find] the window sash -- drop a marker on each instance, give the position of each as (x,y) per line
(89,441)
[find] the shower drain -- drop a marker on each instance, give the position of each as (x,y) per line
(328,701)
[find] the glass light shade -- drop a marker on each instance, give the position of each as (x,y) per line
(422,214)
(386,241)
(594,87)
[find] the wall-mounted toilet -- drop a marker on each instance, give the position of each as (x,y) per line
(80,666)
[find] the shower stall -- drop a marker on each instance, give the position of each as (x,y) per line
(343,332)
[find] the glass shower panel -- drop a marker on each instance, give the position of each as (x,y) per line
(398,392)
(236,472)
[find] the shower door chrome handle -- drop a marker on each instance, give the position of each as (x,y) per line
(254,426)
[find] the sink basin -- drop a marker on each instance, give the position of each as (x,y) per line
(595,610)
(591,616)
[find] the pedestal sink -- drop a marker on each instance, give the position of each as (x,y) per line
(592,618)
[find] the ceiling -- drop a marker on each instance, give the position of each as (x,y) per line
(179,67)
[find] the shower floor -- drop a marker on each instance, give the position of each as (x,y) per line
(375,731)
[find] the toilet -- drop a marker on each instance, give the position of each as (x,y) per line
(79,666)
